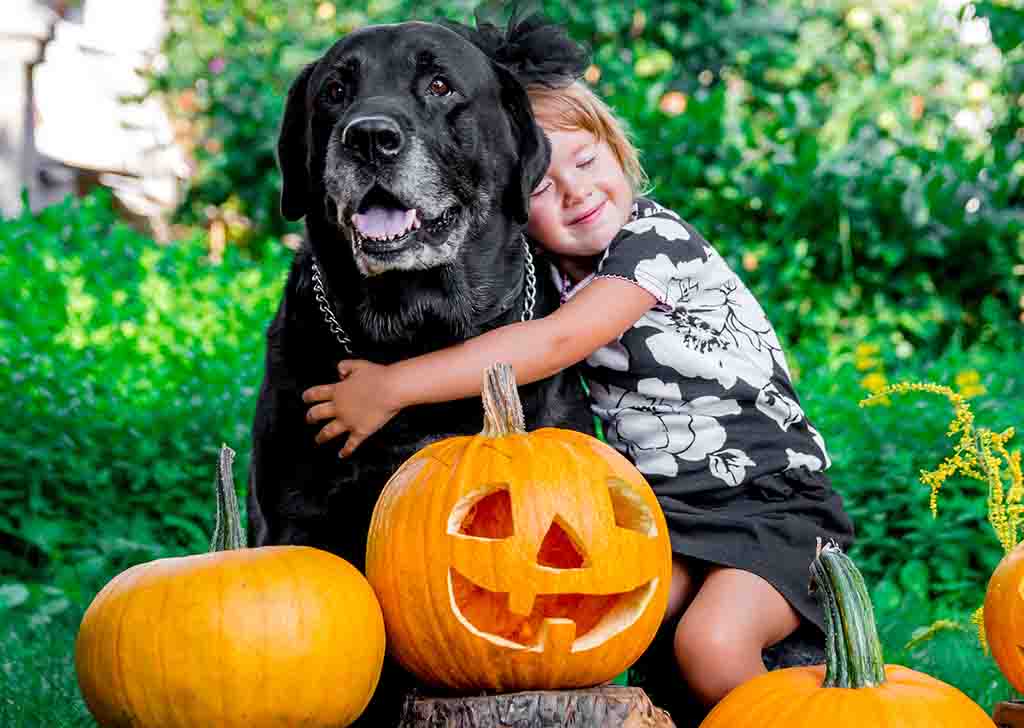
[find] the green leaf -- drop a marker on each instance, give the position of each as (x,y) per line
(11,595)
(914,577)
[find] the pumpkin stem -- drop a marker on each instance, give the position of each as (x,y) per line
(503,412)
(227,530)
(853,652)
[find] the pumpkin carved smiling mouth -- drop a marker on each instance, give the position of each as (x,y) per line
(557,621)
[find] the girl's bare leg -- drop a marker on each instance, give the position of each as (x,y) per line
(718,641)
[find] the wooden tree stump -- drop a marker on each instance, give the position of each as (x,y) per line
(1009,714)
(610,706)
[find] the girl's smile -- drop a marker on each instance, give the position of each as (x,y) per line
(589,217)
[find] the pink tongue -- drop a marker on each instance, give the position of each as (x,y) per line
(383,222)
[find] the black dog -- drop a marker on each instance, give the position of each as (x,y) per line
(411,151)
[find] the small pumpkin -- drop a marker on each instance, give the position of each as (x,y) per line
(516,561)
(854,687)
(1004,616)
(273,636)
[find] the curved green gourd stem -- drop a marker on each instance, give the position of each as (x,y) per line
(503,412)
(227,530)
(853,652)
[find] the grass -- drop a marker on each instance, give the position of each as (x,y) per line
(37,672)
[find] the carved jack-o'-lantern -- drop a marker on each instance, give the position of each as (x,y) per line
(518,561)
(1004,616)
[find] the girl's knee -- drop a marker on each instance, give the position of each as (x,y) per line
(695,636)
(713,659)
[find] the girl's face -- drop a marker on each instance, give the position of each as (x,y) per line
(583,200)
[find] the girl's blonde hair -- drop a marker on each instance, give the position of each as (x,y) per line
(577,107)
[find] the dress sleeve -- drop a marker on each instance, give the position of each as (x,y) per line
(660,253)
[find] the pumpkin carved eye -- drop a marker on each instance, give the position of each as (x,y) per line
(485,514)
(630,510)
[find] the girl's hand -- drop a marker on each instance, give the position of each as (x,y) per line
(359,404)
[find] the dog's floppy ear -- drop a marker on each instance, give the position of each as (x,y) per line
(293,149)
(533,152)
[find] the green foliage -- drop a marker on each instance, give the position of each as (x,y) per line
(951,654)
(817,150)
(879,451)
(123,366)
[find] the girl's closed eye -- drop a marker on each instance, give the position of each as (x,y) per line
(541,188)
(586,162)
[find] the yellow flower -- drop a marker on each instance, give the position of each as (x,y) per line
(967,376)
(978,619)
(968,383)
(865,350)
(874,382)
(980,454)
(867,363)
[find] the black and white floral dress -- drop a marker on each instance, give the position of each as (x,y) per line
(698,395)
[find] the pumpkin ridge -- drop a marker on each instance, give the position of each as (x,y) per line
(137,714)
(281,561)
(222,674)
(169,705)
(437,506)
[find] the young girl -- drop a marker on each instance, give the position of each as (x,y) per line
(687,376)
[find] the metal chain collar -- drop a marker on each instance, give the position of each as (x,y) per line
(320,293)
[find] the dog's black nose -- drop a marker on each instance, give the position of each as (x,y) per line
(373,136)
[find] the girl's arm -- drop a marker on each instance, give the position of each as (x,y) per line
(369,394)
(598,314)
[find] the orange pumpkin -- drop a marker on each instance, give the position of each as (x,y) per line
(1004,616)
(512,560)
(854,687)
(274,636)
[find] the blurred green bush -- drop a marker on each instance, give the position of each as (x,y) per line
(839,152)
(123,366)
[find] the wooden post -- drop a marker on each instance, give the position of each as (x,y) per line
(25,27)
(1009,714)
(609,706)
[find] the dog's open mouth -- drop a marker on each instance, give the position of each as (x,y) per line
(382,224)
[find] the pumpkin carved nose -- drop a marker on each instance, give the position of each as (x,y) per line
(559,551)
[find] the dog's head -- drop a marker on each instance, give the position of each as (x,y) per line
(405,141)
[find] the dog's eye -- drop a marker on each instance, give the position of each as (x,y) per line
(439,87)
(334,92)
